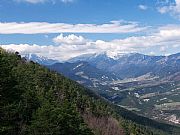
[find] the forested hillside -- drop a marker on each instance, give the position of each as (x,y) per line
(35,101)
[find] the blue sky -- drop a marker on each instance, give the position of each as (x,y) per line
(54,28)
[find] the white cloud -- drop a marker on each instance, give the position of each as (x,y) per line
(143,7)
(44,27)
(70,39)
(163,48)
(176,46)
(171,7)
(43,1)
(165,40)
(61,52)
(32,1)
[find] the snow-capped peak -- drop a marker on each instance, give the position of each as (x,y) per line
(109,54)
(39,59)
(115,55)
(106,54)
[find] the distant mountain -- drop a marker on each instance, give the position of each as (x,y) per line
(100,61)
(95,66)
(83,72)
(133,64)
(168,65)
(40,59)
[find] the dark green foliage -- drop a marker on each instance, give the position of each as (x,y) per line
(29,104)
(58,120)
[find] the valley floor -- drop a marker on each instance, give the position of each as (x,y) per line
(159,100)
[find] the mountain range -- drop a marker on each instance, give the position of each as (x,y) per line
(95,70)
(134,64)
(83,72)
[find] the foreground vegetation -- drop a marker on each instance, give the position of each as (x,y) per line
(35,101)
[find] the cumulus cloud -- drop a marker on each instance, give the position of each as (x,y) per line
(171,7)
(165,39)
(70,39)
(164,35)
(44,27)
(143,7)
(43,1)
(61,52)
